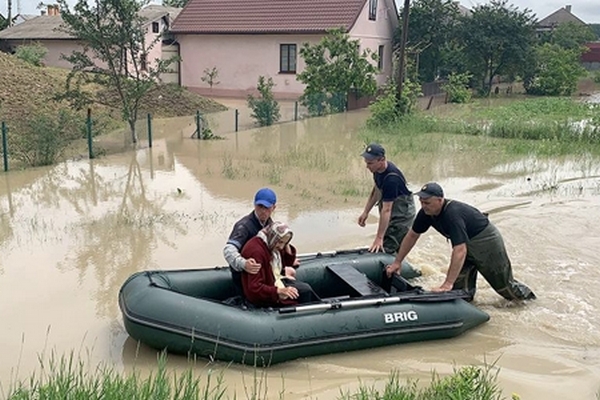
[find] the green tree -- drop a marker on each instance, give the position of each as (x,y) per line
(572,36)
(175,3)
(3,22)
(432,25)
(596,29)
(334,67)
(265,109)
(555,71)
(114,55)
(497,40)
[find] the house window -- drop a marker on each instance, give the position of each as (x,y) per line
(287,58)
(155,27)
(372,10)
(144,62)
(380,60)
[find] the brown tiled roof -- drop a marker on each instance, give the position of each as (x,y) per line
(266,16)
(558,17)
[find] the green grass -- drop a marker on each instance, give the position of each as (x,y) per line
(541,126)
(67,378)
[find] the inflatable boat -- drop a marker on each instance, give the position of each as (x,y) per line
(194,312)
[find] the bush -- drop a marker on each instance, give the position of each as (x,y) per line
(597,77)
(457,88)
(265,110)
(555,72)
(387,109)
(42,138)
(384,110)
(32,54)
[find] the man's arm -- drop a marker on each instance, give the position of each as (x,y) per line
(459,253)
(409,241)
(384,222)
(373,197)
(233,257)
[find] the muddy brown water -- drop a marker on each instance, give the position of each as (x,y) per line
(71,234)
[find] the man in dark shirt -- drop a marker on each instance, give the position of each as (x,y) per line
(244,230)
(477,245)
(395,201)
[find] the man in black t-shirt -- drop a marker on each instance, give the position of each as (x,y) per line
(396,203)
(477,245)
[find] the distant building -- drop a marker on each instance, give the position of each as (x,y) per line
(591,59)
(558,17)
(48,30)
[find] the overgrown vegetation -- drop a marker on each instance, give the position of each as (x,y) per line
(28,100)
(334,68)
(265,109)
(32,53)
(549,126)
(457,88)
(69,379)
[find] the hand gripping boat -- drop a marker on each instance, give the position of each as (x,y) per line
(187,312)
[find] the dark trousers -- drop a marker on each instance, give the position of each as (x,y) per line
(306,294)
(403,214)
(487,255)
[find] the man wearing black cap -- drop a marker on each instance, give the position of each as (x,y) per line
(477,245)
(395,201)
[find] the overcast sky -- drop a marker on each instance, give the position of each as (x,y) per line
(587,10)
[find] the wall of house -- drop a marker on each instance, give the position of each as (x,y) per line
(55,49)
(154,39)
(240,60)
(373,34)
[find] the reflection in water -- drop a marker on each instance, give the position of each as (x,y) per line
(70,235)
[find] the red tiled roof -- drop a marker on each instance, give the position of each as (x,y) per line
(266,16)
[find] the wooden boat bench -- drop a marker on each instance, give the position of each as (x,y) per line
(358,281)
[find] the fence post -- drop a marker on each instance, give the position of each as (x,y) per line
(237,114)
(4,149)
(198,125)
(149,130)
(89,133)
(296,111)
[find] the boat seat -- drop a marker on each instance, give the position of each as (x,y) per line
(356,280)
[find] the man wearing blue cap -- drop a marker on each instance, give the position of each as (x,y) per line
(477,245)
(244,230)
(396,203)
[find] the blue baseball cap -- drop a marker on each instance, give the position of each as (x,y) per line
(265,197)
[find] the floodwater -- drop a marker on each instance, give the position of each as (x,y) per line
(71,234)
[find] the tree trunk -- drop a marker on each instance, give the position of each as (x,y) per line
(134,138)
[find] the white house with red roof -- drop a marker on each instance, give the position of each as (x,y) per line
(246,39)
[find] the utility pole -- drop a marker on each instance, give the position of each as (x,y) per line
(403,40)
(9,14)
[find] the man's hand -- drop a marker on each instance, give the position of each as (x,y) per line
(392,269)
(287,293)
(444,288)
(290,272)
(363,219)
(251,266)
(377,245)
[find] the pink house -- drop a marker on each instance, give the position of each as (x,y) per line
(249,38)
(45,29)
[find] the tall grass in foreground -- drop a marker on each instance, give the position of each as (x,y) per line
(65,378)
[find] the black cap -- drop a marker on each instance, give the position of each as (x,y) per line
(431,189)
(373,151)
